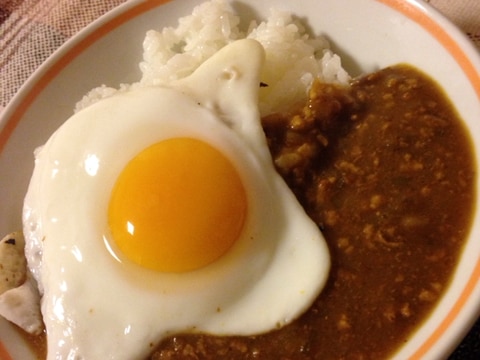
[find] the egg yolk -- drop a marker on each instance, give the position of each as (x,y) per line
(179,205)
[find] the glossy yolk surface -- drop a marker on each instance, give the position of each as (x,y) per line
(179,205)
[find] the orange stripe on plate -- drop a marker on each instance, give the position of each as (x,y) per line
(4,353)
(412,11)
(61,63)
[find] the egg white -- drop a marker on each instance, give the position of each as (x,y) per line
(95,307)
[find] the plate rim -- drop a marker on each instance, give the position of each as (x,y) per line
(448,34)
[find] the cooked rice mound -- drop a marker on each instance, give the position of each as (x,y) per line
(294,58)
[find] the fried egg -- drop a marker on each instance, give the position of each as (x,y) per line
(158,210)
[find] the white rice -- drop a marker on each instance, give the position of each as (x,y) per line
(293,58)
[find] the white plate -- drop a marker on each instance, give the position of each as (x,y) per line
(369,34)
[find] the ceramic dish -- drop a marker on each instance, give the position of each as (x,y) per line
(369,34)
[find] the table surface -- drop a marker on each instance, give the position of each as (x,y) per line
(30,30)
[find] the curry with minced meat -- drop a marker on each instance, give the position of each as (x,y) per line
(386,169)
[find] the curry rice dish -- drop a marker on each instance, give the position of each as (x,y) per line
(385,168)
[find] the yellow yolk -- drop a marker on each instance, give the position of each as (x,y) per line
(179,205)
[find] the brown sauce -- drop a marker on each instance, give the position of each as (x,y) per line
(386,169)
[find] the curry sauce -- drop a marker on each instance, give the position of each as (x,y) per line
(386,169)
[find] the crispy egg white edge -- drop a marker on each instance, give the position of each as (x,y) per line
(257,281)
